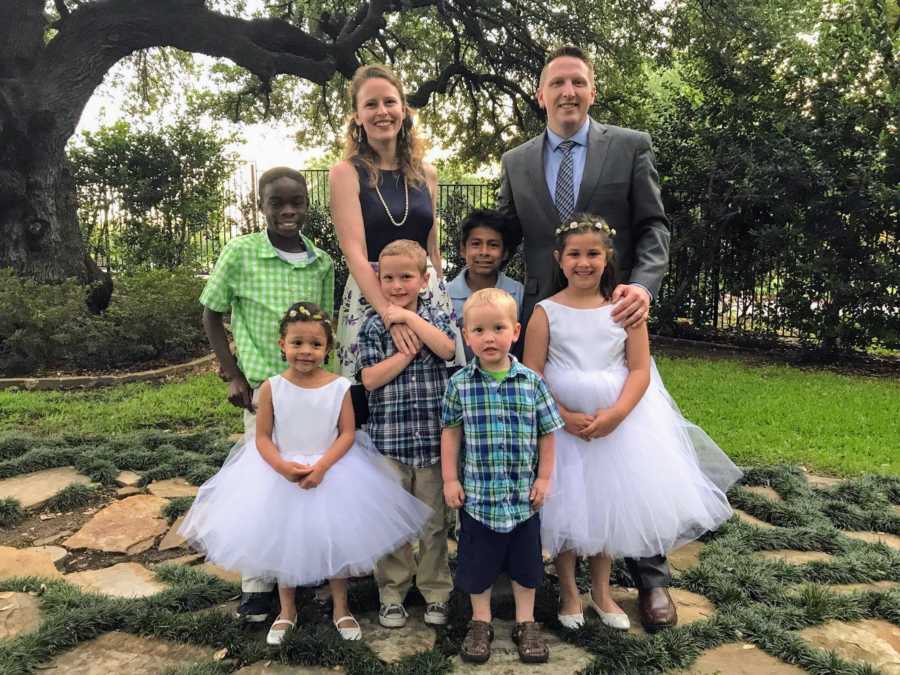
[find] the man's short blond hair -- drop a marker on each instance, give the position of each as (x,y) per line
(496,297)
(567,50)
(408,249)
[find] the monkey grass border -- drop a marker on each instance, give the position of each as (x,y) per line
(759,601)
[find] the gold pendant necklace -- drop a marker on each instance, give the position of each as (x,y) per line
(405,208)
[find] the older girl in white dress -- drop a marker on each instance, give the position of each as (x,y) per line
(633,477)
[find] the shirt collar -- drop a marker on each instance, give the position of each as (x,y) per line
(580,136)
(265,249)
(459,289)
(515,368)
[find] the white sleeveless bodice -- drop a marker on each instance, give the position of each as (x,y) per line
(583,339)
(306,420)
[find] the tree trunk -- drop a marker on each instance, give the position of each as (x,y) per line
(39,234)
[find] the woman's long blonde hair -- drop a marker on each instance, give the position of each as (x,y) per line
(410,148)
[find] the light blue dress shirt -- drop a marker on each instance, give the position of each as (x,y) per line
(553,157)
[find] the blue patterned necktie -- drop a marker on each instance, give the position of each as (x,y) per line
(565,183)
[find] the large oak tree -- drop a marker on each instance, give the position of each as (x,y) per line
(485,55)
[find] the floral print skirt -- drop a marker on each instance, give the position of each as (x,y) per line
(355,309)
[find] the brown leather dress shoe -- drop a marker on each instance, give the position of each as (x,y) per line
(657,609)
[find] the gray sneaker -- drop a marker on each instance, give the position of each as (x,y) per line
(436,614)
(392,615)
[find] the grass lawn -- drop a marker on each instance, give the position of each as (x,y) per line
(839,424)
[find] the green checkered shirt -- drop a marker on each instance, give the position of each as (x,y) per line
(259,287)
(501,422)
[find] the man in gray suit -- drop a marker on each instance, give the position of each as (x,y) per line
(581,166)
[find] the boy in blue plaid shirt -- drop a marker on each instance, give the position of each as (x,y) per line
(507,416)
(405,391)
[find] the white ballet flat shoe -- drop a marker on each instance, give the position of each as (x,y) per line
(354,632)
(571,621)
(276,635)
(616,620)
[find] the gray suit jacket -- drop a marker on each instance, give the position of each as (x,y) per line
(620,183)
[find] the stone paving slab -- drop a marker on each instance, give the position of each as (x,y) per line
(891,540)
(392,644)
(172,488)
(686,557)
(230,576)
(691,607)
(121,653)
(55,553)
(172,538)
(127,526)
(24,562)
(873,641)
(19,613)
(128,491)
(32,490)
(764,491)
(795,557)
(752,520)
(128,479)
(740,658)
(124,580)
(818,481)
(565,658)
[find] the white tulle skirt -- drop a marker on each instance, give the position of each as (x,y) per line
(655,483)
(248,518)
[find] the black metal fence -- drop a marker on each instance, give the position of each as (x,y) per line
(701,291)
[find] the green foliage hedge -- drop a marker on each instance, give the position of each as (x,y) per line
(153,314)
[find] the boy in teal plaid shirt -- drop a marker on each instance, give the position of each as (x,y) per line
(507,416)
(258,277)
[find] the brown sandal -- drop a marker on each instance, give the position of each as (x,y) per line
(532,646)
(476,647)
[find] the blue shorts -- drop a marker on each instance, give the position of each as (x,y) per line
(484,554)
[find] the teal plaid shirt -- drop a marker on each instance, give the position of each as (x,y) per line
(501,422)
(259,287)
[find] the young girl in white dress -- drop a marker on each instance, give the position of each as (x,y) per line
(633,478)
(304,502)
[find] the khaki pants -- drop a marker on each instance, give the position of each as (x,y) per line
(394,573)
(253,584)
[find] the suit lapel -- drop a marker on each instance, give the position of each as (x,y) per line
(536,177)
(598,144)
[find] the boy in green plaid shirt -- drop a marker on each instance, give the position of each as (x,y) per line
(258,277)
(507,416)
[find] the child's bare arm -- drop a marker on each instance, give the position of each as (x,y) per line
(537,345)
(346,434)
(451,438)
(240,393)
(265,422)
(381,373)
(637,354)
(546,459)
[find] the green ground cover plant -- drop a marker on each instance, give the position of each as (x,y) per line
(758,601)
(760,414)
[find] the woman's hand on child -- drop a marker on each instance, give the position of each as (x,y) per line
(539,492)
(313,478)
(454,494)
(605,422)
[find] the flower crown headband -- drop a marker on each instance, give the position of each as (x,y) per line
(318,316)
(574,225)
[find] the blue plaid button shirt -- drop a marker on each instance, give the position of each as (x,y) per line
(405,414)
(501,422)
